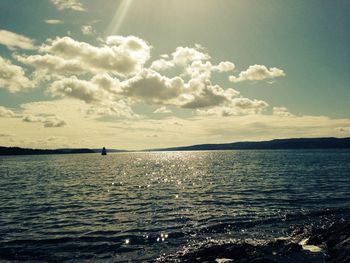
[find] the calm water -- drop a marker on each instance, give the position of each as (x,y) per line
(137,206)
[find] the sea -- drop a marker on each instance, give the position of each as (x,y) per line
(139,207)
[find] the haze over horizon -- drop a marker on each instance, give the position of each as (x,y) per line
(153,74)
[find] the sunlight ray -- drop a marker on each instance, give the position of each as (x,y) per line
(118,18)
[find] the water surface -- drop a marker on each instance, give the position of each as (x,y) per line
(138,206)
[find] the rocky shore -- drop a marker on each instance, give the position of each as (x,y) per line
(329,243)
(335,239)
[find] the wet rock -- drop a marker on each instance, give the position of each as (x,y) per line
(338,244)
(262,260)
(209,253)
(334,239)
(281,247)
(271,252)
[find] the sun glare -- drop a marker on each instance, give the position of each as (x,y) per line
(119,17)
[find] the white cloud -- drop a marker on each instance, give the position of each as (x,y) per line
(101,93)
(197,93)
(224,66)
(99,83)
(202,70)
(79,89)
(119,108)
(182,56)
(258,72)
(12,40)
(47,121)
(119,55)
(199,70)
(247,104)
(107,83)
(6,113)
(13,77)
(162,109)
(207,95)
(52,64)
(157,89)
(149,86)
(152,87)
(281,112)
(54,123)
(162,64)
(185,55)
(53,21)
(237,106)
(86,131)
(87,30)
(194,62)
(68,4)
(124,57)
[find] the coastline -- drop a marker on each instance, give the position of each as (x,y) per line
(329,243)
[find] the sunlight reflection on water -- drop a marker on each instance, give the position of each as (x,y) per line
(138,205)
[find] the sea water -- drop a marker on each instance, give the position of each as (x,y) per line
(138,206)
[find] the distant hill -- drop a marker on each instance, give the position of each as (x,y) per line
(295,143)
(25,151)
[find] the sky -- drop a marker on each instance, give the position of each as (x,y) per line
(140,74)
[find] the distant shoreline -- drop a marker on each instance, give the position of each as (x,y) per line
(277,144)
(28,151)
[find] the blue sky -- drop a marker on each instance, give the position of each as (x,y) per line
(234,70)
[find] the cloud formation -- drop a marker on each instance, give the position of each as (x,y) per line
(152,87)
(162,109)
(116,74)
(118,55)
(79,89)
(120,108)
(13,41)
(51,64)
(238,106)
(96,83)
(13,77)
(53,21)
(6,113)
(208,95)
(281,112)
(68,4)
(47,121)
(99,93)
(87,30)
(258,72)
(193,59)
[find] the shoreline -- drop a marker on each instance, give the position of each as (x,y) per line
(330,244)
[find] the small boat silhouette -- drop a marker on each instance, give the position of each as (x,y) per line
(104,151)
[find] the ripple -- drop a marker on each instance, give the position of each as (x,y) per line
(140,205)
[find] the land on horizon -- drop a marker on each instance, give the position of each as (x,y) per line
(226,126)
(292,143)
